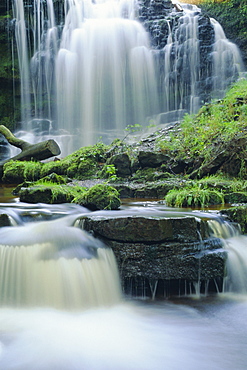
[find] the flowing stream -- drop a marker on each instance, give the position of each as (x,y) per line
(62,306)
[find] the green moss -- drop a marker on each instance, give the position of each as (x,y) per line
(87,169)
(49,193)
(95,152)
(13,172)
(58,167)
(101,196)
(52,178)
(16,172)
(223,183)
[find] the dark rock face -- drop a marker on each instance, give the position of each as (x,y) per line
(152,159)
(167,25)
(122,164)
(160,250)
(4,220)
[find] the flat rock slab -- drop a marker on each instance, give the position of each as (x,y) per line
(146,229)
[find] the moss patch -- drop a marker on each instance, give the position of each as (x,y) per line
(100,196)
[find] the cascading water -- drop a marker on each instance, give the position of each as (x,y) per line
(94,69)
(226,61)
(44,265)
(65,268)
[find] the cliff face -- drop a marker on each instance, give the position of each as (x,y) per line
(9,75)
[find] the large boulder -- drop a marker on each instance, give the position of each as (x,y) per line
(160,250)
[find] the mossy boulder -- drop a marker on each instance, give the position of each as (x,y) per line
(13,172)
(46,194)
(54,178)
(58,167)
(100,196)
(16,172)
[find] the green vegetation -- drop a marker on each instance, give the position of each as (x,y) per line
(198,163)
(231,14)
(85,163)
(214,189)
(193,196)
(48,192)
(100,196)
(109,172)
(214,125)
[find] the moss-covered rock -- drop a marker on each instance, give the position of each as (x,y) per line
(49,193)
(54,178)
(16,172)
(100,196)
(58,167)
(13,172)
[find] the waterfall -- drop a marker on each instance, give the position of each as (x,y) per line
(91,68)
(227,62)
(56,265)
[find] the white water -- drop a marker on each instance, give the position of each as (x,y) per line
(56,265)
(190,333)
(227,61)
(95,75)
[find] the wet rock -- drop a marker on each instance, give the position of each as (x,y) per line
(171,260)
(160,249)
(4,220)
(147,190)
(144,229)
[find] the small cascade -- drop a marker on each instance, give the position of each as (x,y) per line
(227,62)
(235,243)
(91,68)
(182,65)
(236,268)
(56,265)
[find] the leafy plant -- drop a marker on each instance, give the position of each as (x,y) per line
(109,171)
(193,196)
